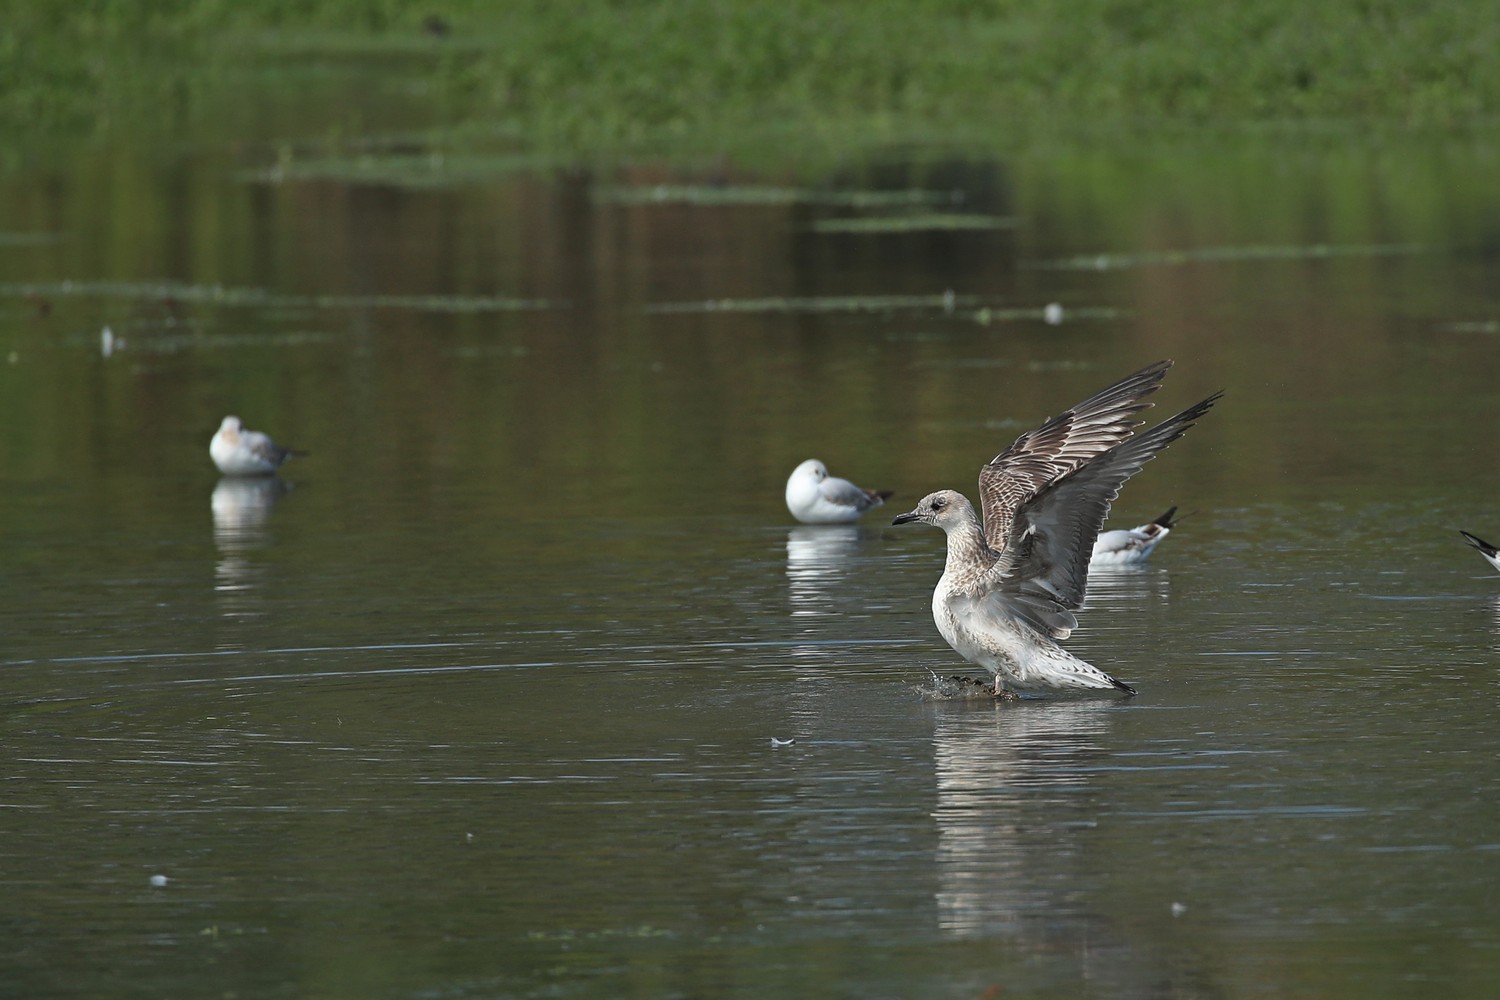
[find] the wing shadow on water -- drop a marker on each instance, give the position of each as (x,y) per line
(242,510)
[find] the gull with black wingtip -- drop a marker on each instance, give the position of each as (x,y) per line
(1490,553)
(1013,580)
(1131,546)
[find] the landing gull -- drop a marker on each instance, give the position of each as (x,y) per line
(238,452)
(815,497)
(1485,548)
(1131,546)
(1012,582)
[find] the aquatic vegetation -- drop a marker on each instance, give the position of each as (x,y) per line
(964,307)
(912,223)
(220,295)
(1047,314)
(1118,261)
(820,304)
(434,169)
(754,194)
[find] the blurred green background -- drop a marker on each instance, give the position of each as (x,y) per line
(596,75)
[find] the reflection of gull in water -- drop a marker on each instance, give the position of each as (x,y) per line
(1012,581)
(241,508)
(816,561)
(1130,546)
(815,497)
(1126,589)
(1014,788)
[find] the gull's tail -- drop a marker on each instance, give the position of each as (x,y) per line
(1086,675)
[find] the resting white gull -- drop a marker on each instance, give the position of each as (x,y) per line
(1012,582)
(815,497)
(1485,548)
(238,452)
(1131,546)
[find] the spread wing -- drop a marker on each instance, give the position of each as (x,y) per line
(1041,457)
(1042,574)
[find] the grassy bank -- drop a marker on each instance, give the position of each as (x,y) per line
(596,72)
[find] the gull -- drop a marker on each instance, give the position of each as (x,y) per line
(815,497)
(238,452)
(1485,548)
(1012,582)
(1129,547)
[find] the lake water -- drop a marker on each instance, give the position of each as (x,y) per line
(478,699)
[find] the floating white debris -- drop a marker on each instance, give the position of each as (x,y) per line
(1053,313)
(106,342)
(1178,909)
(781,743)
(159,880)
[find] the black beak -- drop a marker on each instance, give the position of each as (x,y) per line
(910,515)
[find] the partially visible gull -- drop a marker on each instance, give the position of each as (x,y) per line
(815,497)
(238,452)
(1131,546)
(1485,548)
(1012,582)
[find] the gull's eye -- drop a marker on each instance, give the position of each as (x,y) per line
(937,504)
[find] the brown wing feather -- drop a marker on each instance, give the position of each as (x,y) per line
(1042,456)
(1048,564)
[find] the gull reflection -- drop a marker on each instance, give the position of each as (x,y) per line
(1126,588)
(822,562)
(1015,805)
(817,564)
(241,508)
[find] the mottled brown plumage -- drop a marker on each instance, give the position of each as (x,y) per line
(1013,580)
(1042,456)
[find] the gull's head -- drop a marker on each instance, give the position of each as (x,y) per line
(812,470)
(945,509)
(231,425)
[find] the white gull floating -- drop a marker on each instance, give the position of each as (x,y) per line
(815,497)
(238,452)
(1131,546)
(1012,582)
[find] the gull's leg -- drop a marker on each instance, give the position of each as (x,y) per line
(1002,694)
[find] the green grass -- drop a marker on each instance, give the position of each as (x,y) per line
(599,74)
